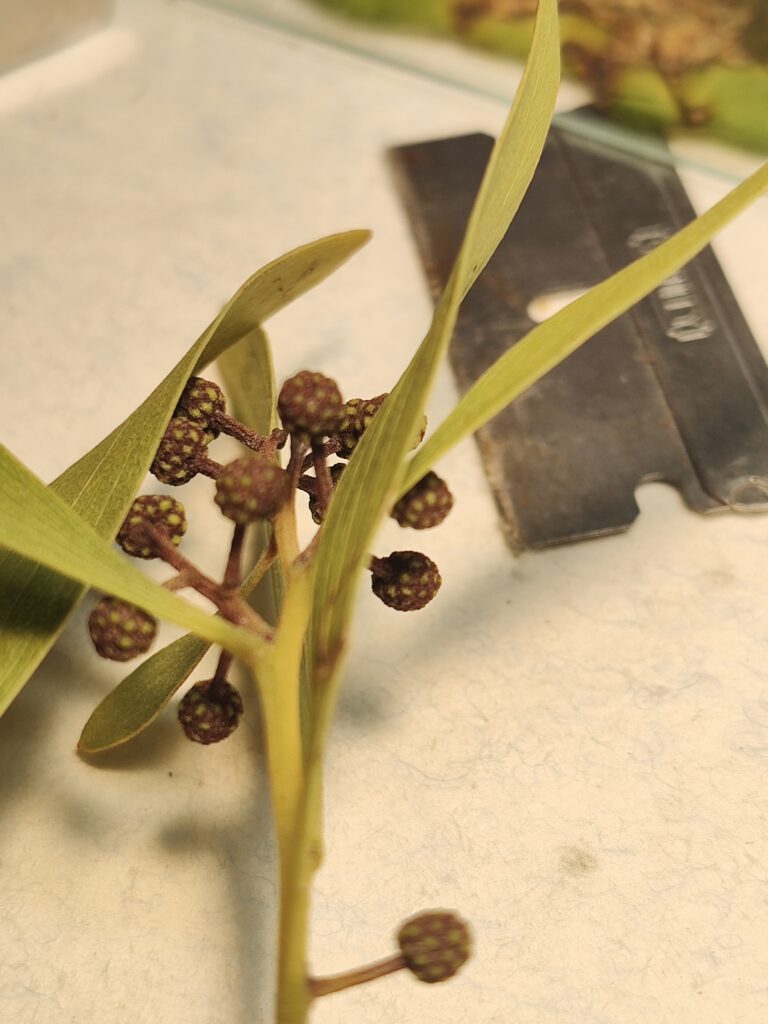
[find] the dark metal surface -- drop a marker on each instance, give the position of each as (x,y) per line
(675,390)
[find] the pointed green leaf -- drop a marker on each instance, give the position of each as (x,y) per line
(139,698)
(35,602)
(50,532)
(137,701)
(366,489)
(249,382)
(550,342)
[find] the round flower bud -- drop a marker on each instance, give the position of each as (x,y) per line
(426,504)
(177,455)
(120,631)
(347,435)
(405,580)
(210,711)
(434,945)
(200,401)
(250,488)
(157,510)
(365,412)
(310,404)
(357,417)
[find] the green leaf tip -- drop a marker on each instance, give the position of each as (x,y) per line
(368,486)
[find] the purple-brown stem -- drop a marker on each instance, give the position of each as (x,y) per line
(256,442)
(308,484)
(229,602)
(208,467)
(232,571)
(358,976)
(322,477)
(222,668)
(295,463)
(330,447)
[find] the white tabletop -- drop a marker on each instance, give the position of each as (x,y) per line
(570,748)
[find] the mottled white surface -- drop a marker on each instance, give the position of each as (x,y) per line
(570,748)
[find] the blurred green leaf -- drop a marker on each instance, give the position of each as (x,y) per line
(139,698)
(50,532)
(35,602)
(550,342)
(249,382)
(366,489)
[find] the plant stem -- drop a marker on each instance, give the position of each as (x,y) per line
(208,467)
(232,572)
(229,602)
(306,855)
(222,667)
(330,447)
(279,688)
(256,442)
(322,478)
(357,976)
(295,463)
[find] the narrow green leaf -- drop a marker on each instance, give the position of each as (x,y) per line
(35,602)
(139,698)
(58,538)
(137,701)
(366,489)
(249,382)
(550,342)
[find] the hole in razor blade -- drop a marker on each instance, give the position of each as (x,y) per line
(542,307)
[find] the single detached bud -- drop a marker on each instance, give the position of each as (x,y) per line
(120,631)
(183,444)
(426,504)
(434,944)
(200,401)
(318,513)
(157,510)
(405,580)
(250,488)
(210,711)
(311,405)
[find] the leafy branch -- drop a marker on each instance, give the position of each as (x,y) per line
(62,543)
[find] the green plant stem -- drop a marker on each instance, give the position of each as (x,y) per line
(278,679)
(306,853)
(358,976)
